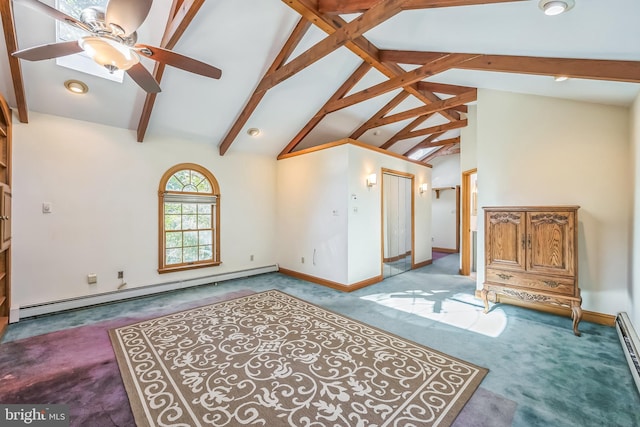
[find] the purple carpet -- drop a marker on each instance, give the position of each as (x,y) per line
(77,367)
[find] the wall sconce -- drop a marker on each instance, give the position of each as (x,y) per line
(423,188)
(372,180)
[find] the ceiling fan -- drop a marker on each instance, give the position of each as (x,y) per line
(112,41)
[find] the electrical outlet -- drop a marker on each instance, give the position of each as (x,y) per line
(302,260)
(250,257)
(92,278)
(120,274)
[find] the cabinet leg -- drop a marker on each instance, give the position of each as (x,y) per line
(485,299)
(576,314)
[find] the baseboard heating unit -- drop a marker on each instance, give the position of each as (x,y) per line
(107,297)
(630,345)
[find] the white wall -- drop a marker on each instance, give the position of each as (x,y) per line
(103,187)
(446,173)
(312,201)
(348,243)
(535,150)
(634,286)
(469,141)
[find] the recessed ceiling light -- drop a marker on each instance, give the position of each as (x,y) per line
(76,86)
(253,132)
(555,7)
(561,78)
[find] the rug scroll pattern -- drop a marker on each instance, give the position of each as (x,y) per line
(271,359)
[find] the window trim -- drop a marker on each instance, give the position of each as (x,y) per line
(162,191)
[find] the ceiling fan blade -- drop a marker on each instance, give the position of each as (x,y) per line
(143,78)
(54,13)
(169,57)
(48,51)
(127,14)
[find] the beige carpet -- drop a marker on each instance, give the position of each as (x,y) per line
(270,359)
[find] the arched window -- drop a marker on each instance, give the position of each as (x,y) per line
(189,207)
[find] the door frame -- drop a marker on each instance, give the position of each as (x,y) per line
(465,253)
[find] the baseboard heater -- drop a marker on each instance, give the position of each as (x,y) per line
(107,297)
(630,345)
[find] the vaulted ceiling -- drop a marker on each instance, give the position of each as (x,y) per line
(395,74)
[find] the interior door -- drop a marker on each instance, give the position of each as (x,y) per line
(397,208)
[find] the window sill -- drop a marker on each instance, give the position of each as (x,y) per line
(187,267)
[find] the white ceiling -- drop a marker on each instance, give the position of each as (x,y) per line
(242,37)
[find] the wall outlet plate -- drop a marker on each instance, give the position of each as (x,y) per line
(92,278)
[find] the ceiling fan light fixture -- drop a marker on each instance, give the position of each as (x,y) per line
(555,7)
(76,86)
(109,53)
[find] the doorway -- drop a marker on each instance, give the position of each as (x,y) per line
(469,250)
(397,222)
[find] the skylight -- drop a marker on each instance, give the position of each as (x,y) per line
(422,153)
(64,32)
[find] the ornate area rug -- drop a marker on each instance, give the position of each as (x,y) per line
(270,359)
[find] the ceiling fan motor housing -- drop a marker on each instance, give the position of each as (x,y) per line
(94,18)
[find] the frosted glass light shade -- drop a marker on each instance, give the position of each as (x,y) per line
(109,53)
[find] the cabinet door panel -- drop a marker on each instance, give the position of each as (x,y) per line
(504,240)
(550,242)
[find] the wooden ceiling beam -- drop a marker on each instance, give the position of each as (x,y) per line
(296,35)
(364,49)
(408,78)
(431,108)
(379,13)
(358,6)
(436,129)
(357,75)
(408,128)
(591,69)
(429,4)
(443,88)
(181,15)
(397,100)
(442,151)
(9,29)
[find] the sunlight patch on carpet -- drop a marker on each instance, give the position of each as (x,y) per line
(460,310)
(271,359)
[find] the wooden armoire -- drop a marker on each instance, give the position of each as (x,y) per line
(5,214)
(531,254)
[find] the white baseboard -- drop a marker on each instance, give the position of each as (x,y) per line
(630,345)
(69,304)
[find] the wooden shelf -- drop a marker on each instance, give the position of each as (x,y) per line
(439,189)
(2,131)
(2,300)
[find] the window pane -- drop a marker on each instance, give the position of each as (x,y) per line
(204,221)
(189,222)
(190,238)
(190,188)
(172,222)
(173,184)
(204,186)
(184,177)
(204,208)
(174,256)
(172,208)
(205,237)
(191,254)
(174,240)
(205,253)
(189,208)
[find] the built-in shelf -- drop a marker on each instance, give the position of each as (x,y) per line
(2,131)
(439,189)
(2,300)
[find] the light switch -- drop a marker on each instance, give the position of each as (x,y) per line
(46,207)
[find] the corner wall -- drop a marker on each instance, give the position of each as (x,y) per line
(103,187)
(328,215)
(634,285)
(534,150)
